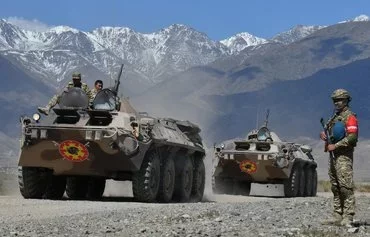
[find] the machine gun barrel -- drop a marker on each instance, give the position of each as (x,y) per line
(118,81)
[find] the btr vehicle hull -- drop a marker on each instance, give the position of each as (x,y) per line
(263,165)
(75,149)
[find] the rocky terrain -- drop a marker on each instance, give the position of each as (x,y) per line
(220,215)
(217,215)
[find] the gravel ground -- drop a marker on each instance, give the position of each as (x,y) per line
(221,215)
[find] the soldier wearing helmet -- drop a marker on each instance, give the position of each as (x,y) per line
(76,82)
(343,132)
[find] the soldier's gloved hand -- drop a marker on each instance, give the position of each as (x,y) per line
(323,136)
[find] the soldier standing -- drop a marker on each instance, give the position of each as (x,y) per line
(76,82)
(343,122)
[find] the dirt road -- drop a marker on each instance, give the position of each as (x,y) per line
(220,215)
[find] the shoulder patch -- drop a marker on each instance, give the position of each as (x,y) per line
(352,124)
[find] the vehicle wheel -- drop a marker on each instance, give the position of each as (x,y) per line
(167,181)
(199,179)
(291,185)
(314,182)
(95,187)
(77,187)
(302,181)
(222,186)
(56,187)
(32,181)
(309,180)
(145,182)
(183,179)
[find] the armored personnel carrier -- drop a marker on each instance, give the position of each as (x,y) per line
(78,146)
(263,165)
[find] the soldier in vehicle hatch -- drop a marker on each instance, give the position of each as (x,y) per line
(342,130)
(98,86)
(76,82)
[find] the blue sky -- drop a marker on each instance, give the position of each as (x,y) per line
(218,19)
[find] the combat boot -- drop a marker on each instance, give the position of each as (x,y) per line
(334,220)
(347,221)
(44,110)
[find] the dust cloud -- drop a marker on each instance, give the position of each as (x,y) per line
(118,189)
(9,182)
(194,110)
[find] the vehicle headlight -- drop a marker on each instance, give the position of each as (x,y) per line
(281,162)
(36,117)
(222,146)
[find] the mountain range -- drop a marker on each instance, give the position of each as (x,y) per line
(53,54)
(294,81)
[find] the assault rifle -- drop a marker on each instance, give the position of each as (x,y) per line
(328,141)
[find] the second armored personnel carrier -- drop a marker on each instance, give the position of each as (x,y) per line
(78,146)
(264,165)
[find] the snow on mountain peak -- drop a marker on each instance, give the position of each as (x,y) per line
(242,40)
(178,27)
(175,28)
(296,33)
(361,18)
(62,29)
(357,19)
(7,24)
(28,25)
(114,30)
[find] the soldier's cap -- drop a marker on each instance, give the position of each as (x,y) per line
(76,75)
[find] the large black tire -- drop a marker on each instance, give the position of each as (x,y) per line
(56,187)
(167,181)
(77,187)
(314,182)
(309,182)
(95,187)
(302,181)
(222,186)
(291,185)
(145,182)
(199,179)
(184,179)
(32,181)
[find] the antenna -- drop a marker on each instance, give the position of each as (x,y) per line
(267,117)
(258,111)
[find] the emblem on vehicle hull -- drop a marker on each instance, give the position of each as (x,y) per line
(248,166)
(73,151)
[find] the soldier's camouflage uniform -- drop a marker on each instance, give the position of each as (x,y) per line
(341,166)
(55,99)
(93,92)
